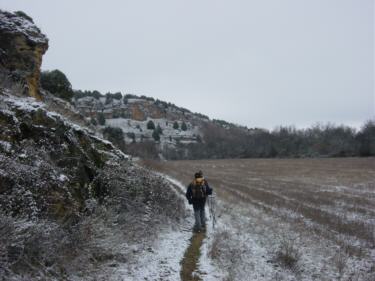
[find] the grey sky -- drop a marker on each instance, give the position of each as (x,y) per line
(258,63)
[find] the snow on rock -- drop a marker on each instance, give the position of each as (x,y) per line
(12,23)
(28,104)
(44,183)
(139,129)
(62,178)
(6,146)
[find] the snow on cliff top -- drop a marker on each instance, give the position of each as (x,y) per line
(20,24)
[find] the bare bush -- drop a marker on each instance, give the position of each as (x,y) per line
(340,260)
(227,251)
(217,244)
(288,254)
(8,82)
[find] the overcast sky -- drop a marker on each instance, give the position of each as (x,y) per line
(253,62)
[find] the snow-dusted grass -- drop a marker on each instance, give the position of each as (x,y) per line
(162,260)
(159,262)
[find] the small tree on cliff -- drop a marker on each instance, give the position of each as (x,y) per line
(150,125)
(183,126)
(156,135)
(115,135)
(24,15)
(56,83)
(101,119)
(175,125)
(159,129)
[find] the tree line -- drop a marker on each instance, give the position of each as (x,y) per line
(283,142)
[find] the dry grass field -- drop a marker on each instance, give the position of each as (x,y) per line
(327,203)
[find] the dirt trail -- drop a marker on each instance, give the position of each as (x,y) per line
(189,263)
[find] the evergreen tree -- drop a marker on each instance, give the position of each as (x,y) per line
(132,136)
(24,15)
(156,135)
(101,119)
(150,125)
(117,96)
(115,135)
(175,125)
(159,130)
(183,126)
(108,98)
(57,83)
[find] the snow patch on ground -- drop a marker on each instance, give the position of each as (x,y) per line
(207,270)
(162,262)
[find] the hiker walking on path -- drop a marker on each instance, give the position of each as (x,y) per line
(196,194)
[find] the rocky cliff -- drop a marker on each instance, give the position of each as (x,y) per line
(22,46)
(133,114)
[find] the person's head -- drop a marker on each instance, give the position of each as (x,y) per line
(198,174)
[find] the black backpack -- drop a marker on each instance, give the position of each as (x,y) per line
(198,188)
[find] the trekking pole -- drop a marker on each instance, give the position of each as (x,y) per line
(211,207)
(214,211)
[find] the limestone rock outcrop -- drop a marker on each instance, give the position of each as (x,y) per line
(22,46)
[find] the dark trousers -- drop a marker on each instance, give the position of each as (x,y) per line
(200,216)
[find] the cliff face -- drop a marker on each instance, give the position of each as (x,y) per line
(133,114)
(22,46)
(181,134)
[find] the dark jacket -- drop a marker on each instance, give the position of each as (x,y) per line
(197,202)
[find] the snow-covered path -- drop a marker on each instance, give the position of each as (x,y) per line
(204,268)
(164,261)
